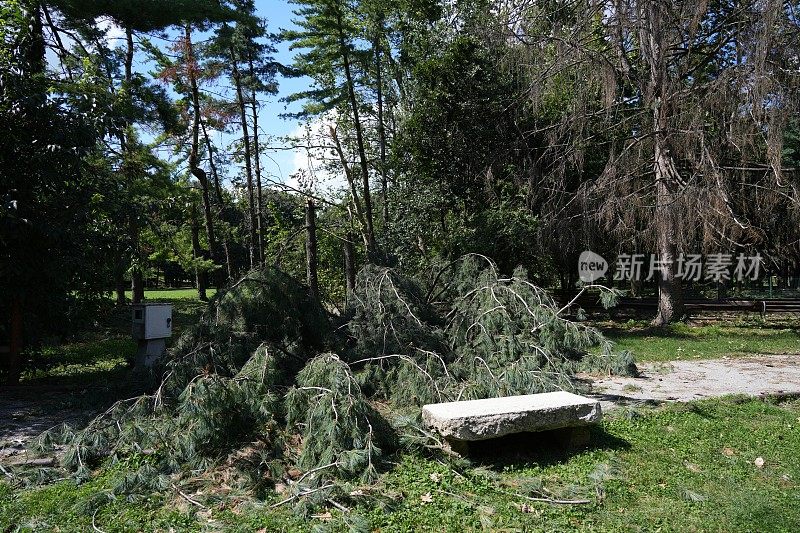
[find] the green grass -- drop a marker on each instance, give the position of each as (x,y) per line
(170,294)
(681,341)
(681,468)
(101,354)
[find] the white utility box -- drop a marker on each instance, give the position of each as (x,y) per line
(152,325)
(152,321)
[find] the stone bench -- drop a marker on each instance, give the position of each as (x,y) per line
(490,418)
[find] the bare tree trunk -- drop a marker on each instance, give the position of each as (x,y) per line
(137,283)
(257,160)
(372,247)
(636,287)
(228,259)
(119,282)
(197,253)
(211,164)
(128,54)
(137,286)
(36,51)
(353,188)
(349,264)
(311,251)
(219,280)
(670,292)
(194,156)
(218,190)
(381,128)
(255,252)
(16,342)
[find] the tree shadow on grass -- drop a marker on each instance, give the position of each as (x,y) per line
(542,448)
(28,409)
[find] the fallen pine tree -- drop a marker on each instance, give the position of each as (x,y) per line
(269,387)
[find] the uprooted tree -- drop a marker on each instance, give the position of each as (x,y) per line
(267,382)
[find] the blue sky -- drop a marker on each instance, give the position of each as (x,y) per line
(280,163)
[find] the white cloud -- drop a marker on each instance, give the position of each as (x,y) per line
(113,30)
(315,166)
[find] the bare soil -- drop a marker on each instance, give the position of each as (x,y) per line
(684,381)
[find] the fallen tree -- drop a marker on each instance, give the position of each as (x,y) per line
(271,388)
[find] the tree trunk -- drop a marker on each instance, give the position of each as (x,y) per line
(15,342)
(636,287)
(257,159)
(349,264)
(128,54)
(372,247)
(197,253)
(194,157)
(219,280)
(722,290)
(35,52)
(670,293)
(362,221)
(211,164)
(137,283)
(255,253)
(228,259)
(218,190)
(381,128)
(311,251)
(137,286)
(119,283)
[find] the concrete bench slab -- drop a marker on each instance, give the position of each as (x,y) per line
(477,420)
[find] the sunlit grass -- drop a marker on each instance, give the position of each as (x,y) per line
(183,293)
(685,467)
(681,341)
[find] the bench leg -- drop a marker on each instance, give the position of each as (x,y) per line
(573,438)
(579,437)
(459,447)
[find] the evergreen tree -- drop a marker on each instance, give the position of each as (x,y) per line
(330,33)
(244,51)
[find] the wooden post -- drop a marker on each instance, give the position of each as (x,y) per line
(311,251)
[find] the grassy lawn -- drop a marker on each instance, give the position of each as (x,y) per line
(682,341)
(689,467)
(170,294)
(103,351)
(681,468)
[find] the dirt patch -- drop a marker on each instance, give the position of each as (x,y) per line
(684,381)
(25,412)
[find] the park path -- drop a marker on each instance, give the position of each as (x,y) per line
(685,381)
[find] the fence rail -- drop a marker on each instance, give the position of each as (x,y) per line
(591,302)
